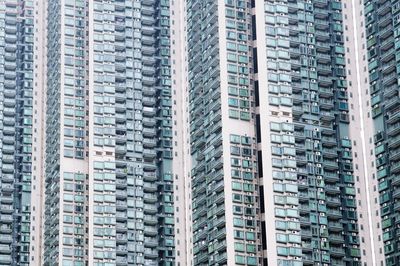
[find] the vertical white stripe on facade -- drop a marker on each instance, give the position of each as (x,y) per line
(356,22)
(38,135)
(181,162)
(91,135)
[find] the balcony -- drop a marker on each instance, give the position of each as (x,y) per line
(394,142)
(335,226)
(151,198)
(5,249)
(306,246)
(323,46)
(329,140)
(337,252)
(149,132)
(8,159)
(336,238)
(395,168)
(397,206)
(385,33)
(150,230)
(221,258)
(306,233)
(396,180)
(5,238)
(324,81)
(7,169)
(330,164)
(320,3)
(150,242)
(121,205)
(149,153)
(307,259)
(393,116)
(120,183)
(150,187)
(149,111)
(149,142)
(393,102)
(329,116)
(6,208)
(150,219)
(5,260)
(393,129)
(149,101)
(303,195)
(333,201)
(150,209)
(151,177)
(150,122)
(297,110)
(302,184)
(149,91)
(121,260)
(321,24)
(150,253)
(7,187)
(323,58)
(148,81)
(120,194)
(383,10)
(121,216)
(325,103)
(120,149)
(304,208)
(334,214)
(305,220)
(5,228)
(396,193)
(330,153)
(332,189)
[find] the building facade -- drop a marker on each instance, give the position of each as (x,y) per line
(109,158)
(382,95)
(199,132)
(275,135)
(223,144)
(21,152)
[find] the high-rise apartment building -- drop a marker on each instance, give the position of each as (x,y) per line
(199,132)
(223,146)
(381,85)
(272,141)
(87,172)
(109,154)
(21,128)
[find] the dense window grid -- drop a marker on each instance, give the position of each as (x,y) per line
(321,122)
(285,205)
(125,76)
(206,144)
(382,27)
(16,101)
(246,224)
(8,133)
(109,181)
(24,122)
(209,174)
